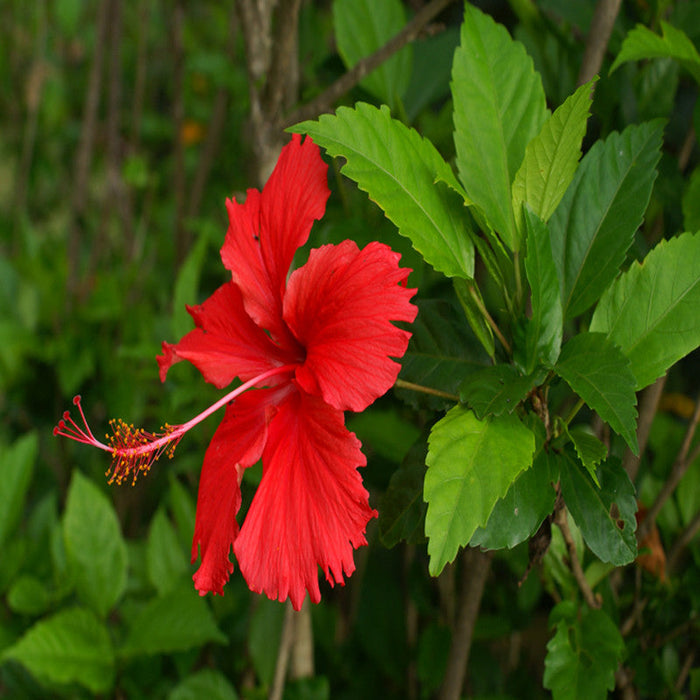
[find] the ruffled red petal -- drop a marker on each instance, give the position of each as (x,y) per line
(266,230)
(339,306)
(226,343)
(237,444)
(310,509)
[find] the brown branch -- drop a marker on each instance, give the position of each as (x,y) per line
(684,539)
(561,521)
(325,101)
(647,410)
(598,38)
(680,466)
(475,568)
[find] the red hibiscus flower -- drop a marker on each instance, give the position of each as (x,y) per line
(319,342)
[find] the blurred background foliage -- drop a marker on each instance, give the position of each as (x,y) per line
(124,126)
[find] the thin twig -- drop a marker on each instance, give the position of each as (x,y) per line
(598,38)
(489,319)
(684,539)
(402,384)
(325,101)
(283,654)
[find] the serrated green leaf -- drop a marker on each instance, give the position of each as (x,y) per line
(499,107)
(642,43)
(589,449)
(72,646)
(165,560)
(495,390)
(651,311)
(363,26)
(208,683)
(177,621)
(543,331)
(583,654)
(518,515)
(95,548)
(16,467)
(605,515)
(404,174)
(691,202)
(600,374)
(594,225)
(440,354)
(403,509)
(551,158)
(471,464)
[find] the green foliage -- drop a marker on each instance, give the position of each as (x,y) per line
(471,464)
(16,467)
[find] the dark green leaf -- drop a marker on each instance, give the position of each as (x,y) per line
(589,449)
(471,464)
(594,225)
(208,683)
(94,545)
(472,304)
(499,107)
(605,515)
(543,331)
(691,202)
(165,559)
(651,311)
(518,515)
(72,646)
(362,27)
(399,170)
(177,621)
(583,654)
(28,596)
(495,390)
(186,287)
(600,374)
(264,638)
(16,467)
(384,432)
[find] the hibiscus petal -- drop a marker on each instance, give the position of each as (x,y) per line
(310,509)
(340,305)
(226,343)
(265,231)
(237,444)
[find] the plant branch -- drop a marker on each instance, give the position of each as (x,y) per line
(325,101)
(487,316)
(598,38)
(283,653)
(402,384)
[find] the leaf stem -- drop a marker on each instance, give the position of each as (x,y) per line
(402,384)
(574,411)
(490,321)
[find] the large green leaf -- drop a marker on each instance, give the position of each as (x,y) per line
(600,374)
(72,646)
(399,170)
(94,545)
(551,158)
(518,515)
(651,311)
(207,683)
(264,637)
(594,224)
(16,467)
(605,515)
(363,26)
(177,621)
(543,331)
(499,107)
(495,390)
(583,654)
(471,464)
(642,43)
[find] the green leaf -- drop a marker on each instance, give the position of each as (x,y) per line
(165,560)
(186,287)
(183,509)
(543,331)
(600,374)
(495,390)
(651,311)
(691,202)
(94,545)
(402,513)
(264,638)
(471,464)
(642,43)
(399,170)
(472,304)
(177,621)
(499,107)
(594,225)
(583,654)
(518,515)
(384,432)
(16,467)
(363,26)
(551,157)
(605,515)
(208,683)
(28,596)
(589,449)
(72,646)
